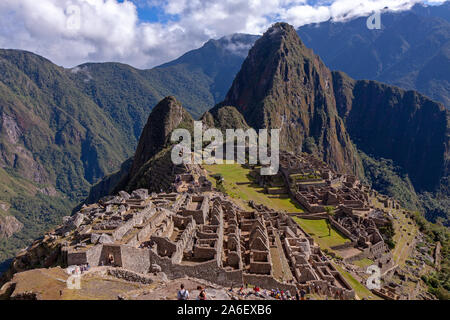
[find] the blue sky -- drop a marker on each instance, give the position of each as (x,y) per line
(151,13)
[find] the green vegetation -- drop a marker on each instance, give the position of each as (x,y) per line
(391,180)
(437,205)
(438,282)
(303,177)
(388,179)
(38,212)
(363,263)
(361,291)
(318,229)
(388,233)
(239,185)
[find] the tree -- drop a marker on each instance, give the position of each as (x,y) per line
(329,227)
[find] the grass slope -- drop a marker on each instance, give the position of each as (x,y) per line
(239,185)
(319,231)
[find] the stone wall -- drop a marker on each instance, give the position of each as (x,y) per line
(268,282)
(137,260)
(128,275)
(341,229)
(76,258)
(208,271)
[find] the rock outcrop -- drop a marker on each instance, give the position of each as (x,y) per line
(9,225)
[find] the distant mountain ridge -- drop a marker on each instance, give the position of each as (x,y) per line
(412,50)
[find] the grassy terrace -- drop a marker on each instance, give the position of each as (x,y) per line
(240,186)
(363,263)
(361,291)
(319,231)
(405,232)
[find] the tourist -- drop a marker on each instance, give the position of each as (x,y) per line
(111,260)
(288,295)
(302,294)
(183,294)
(202,294)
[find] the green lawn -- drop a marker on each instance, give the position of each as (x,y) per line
(240,187)
(363,263)
(319,231)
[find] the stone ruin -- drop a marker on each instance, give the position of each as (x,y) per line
(318,189)
(201,235)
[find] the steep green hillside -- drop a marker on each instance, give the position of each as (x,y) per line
(34,209)
(392,123)
(387,178)
(54,143)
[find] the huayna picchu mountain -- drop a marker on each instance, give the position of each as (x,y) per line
(284,85)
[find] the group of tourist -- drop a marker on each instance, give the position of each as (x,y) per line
(85,267)
(326,291)
(79,269)
(183,293)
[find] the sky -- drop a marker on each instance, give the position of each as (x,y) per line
(146,33)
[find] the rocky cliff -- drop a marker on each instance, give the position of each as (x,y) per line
(9,225)
(396,124)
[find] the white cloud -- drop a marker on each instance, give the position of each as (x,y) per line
(109,30)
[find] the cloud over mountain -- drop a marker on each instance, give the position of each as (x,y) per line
(75,31)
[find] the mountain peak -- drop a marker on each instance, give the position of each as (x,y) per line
(280,28)
(283,85)
(281,33)
(165,117)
